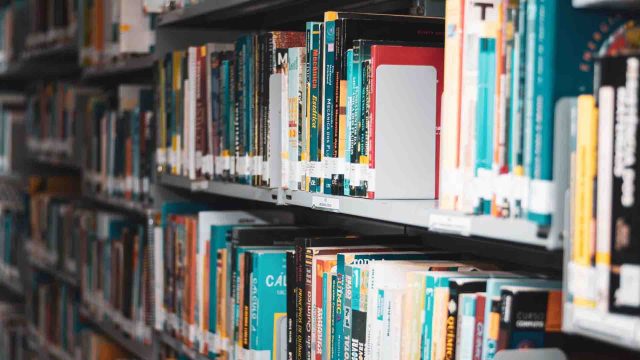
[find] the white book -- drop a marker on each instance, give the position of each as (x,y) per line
(274,159)
(384,275)
(135,28)
(294,89)
(392,313)
(158,277)
(284,129)
(607,108)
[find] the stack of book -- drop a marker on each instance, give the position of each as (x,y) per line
(603,253)
(113,29)
(51,23)
(54,313)
(119,140)
(51,119)
(234,287)
(507,67)
(310,110)
(115,272)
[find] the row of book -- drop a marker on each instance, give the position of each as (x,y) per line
(328,110)
(119,142)
(50,120)
(113,29)
(13,331)
(53,312)
(604,149)
(115,271)
(503,83)
(51,225)
(248,284)
(50,23)
(13,224)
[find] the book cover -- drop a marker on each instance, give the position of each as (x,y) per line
(466,326)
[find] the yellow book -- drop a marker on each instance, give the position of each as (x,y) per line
(583,243)
(176,149)
(411,316)
(450,118)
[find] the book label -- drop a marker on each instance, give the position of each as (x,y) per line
(199,185)
(326,203)
(460,225)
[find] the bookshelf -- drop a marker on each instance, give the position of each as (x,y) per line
(117,333)
(516,242)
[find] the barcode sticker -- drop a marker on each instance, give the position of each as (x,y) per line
(199,185)
(324,202)
(450,224)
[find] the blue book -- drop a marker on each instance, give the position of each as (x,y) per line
(493,290)
(485,115)
(556,67)
(268,305)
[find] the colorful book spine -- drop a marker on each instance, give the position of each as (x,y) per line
(328,115)
(315,60)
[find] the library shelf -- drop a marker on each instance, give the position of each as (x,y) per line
(117,203)
(10,279)
(47,261)
(120,69)
(67,50)
(615,329)
(53,162)
(249,14)
(240,191)
(39,343)
(612,4)
(180,347)
(110,328)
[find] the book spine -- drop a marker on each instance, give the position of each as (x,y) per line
(329,103)
(427,331)
(506,320)
(349,122)
(494,329)
(365,131)
(316,103)
(245,319)
(604,195)
(339,106)
(291,304)
(450,131)
(541,156)
(303,125)
(201,121)
(466,324)
(624,248)
(348,312)
(309,309)
(517,106)
(331,327)
(300,295)
(358,315)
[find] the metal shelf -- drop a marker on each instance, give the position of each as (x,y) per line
(264,14)
(612,4)
(120,70)
(47,262)
(120,203)
(615,329)
(67,50)
(180,347)
(53,162)
(239,191)
(137,348)
(10,279)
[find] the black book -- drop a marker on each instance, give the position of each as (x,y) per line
(618,73)
(458,286)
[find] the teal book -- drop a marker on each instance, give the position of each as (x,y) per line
(485,115)
(326,298)
(494,286)
(343,326)
(559,64)
(433,281)
(516,114)
(332,328)
(314,61)
(466,326)
(328,119)
(268,305)
(217,242)
(349,129)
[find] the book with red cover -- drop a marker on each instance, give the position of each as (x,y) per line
(406,56)
(478,330)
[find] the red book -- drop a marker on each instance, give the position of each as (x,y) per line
(478,330)
(410,56)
